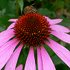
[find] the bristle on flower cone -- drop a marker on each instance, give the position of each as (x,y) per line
(32,29)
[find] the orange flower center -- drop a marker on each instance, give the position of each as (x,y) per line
(32,29)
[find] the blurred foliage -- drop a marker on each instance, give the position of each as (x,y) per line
(51,8)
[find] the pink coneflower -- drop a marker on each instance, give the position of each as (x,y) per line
(33,30)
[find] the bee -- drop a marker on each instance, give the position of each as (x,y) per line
(30,9)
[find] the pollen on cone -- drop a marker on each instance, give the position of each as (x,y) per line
(32,29)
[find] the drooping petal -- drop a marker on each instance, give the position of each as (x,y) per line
(62,52)
(5,36)
(63,36)
(39,59)
(47,62)
(11,26)
(53,21)
(59,28)
(6,45)
(20,67)
(6,33)
(6,51)
(12,20)
(11,64)
(30,62)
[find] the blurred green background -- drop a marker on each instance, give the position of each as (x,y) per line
(51,8)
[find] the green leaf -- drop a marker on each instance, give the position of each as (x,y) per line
(39,0)
(66,22)
(45,11)
(58,4)
(56,60)
(67,46)
(30,0)
(21,5)
(51,53)
(62,67)
(23,56)
(4,22)
(3,3)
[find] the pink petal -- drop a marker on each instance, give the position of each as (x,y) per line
(53,21)
(6,32)
(5,36)
(11,65)
(13,20)
(20,67)
(30,62)
(63,36)
(39,59)
(48,19)
(11,26)
(7,44)
(6,51)
(59,28)
(62,52)
(47,62)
